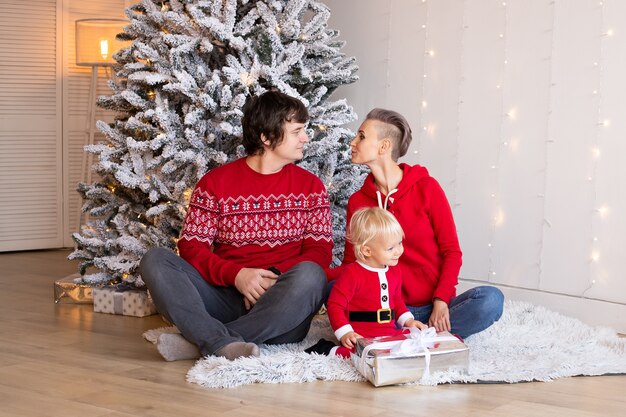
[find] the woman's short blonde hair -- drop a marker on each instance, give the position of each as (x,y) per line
(369,222)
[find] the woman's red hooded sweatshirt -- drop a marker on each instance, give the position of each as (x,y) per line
(432,256)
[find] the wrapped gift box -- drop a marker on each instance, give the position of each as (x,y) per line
(387,362)
(122,300)
(72,290)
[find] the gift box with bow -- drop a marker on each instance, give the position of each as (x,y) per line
(122,299)
(409,357)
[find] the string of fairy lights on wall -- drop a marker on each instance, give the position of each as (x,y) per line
(549,140)
(459,108)
(508,115)
(422,81)
(510,140)
(600,211)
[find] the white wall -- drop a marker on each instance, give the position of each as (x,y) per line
(517,108)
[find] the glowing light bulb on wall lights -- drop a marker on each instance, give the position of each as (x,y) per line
(595,152)
(424,104)
(604,210)
(595,256)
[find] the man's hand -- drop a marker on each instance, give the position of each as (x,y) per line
(252,284)
(440,317)
(349,339)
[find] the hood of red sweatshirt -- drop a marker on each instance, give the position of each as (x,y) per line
(411,175)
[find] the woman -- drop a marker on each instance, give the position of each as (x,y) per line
(432,258)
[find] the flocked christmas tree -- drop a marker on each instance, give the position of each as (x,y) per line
(181,86)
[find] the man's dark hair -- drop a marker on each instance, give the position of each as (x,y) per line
(265,115)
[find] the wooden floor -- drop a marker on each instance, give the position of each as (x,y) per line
(65,360)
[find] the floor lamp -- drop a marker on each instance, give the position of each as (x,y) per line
(95,46)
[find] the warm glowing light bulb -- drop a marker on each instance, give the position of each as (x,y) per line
(604,210)
(595,152)
(499,217)
(431,53)
(246,78)
(424,104)
(104,48)
(595,256)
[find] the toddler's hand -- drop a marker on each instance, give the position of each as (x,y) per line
(349,339)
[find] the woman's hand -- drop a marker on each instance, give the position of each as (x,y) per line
(440,317)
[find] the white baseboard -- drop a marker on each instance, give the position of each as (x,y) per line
(590,311)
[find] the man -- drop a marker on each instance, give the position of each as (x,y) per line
(254,243)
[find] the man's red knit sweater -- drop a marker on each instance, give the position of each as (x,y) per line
(240,218)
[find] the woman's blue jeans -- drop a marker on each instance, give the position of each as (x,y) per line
(470,313)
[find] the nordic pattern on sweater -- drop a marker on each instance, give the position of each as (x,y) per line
(240,218)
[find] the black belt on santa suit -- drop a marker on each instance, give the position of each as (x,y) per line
(382,315)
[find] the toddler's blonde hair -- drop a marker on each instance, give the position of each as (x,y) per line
(369,222)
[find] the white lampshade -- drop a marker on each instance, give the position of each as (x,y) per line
(95,41)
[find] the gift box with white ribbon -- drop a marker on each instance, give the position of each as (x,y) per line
(407,358)
(119,300)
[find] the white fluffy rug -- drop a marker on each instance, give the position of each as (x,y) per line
(529,343)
